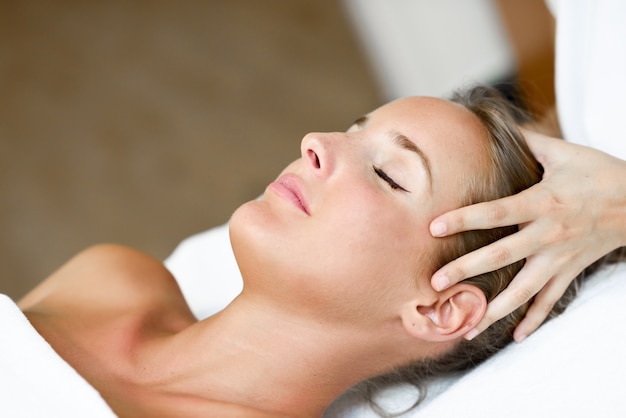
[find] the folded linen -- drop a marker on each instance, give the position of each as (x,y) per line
(34,380)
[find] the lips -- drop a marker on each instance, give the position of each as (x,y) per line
(288,186)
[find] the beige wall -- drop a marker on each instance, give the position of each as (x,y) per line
(144,122)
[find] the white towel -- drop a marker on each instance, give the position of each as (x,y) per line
(34,380)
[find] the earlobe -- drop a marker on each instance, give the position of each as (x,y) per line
(455,311)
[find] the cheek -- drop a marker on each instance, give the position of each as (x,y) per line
(370,244)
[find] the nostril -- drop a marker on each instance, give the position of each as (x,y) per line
(314,158)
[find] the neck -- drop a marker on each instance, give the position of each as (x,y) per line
(251,354)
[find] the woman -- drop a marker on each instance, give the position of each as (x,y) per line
(336,259)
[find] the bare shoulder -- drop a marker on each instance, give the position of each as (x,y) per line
(107,277)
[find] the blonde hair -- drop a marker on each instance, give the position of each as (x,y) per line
(512,168)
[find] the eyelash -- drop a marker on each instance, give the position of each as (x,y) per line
(395,186)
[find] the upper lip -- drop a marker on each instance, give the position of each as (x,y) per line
(294,184)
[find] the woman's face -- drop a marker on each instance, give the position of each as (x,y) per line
(343,231)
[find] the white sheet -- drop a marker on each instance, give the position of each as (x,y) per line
(34,380)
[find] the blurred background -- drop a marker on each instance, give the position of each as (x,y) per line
(142,123)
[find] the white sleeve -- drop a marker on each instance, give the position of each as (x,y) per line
(591,72)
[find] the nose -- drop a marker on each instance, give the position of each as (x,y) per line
(319,151)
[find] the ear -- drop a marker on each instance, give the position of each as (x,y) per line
(454,312)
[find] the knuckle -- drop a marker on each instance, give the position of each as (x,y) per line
(551,203)
(499,257)
(496,213)
(561,233)
(557,234)
(458,222)
(521,296)
(548,201)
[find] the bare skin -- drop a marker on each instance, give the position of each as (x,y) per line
(123,306)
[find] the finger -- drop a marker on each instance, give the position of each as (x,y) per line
(492,257)
(528,282)
(510,210)
(542,306)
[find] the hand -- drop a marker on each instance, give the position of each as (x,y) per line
(574,216)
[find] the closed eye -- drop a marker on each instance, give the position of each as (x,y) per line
(395,186)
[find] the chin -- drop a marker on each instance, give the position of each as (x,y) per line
(252,232)
(265,250)
(241,226)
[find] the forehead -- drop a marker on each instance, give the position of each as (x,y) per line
(431,117)
(450,135)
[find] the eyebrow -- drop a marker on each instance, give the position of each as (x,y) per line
(405,143)
(361,121)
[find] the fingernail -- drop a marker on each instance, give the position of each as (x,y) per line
(438,229)
(520,338)
(471,334)
(441,281)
